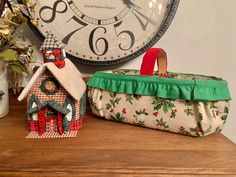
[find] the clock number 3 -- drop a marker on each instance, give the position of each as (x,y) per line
(54,11)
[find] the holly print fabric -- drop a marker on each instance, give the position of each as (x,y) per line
(194,118)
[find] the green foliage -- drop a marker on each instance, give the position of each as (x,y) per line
(192,129)
(189,111)
(226,110)
(117,117)
(130,98)
(25,1)
(165,104)
(17,67)
(218,129)
(140,123)
(173,113)
(224,118)
(108,106)
(15,51)
(114,100)
(162,123)
(206,131)
(142,112)
(113,94)
(138,114)
(93,104)
(9,55)
(200,116)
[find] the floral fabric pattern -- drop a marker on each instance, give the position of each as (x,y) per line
(184,117)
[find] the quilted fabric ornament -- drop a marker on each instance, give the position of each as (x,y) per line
(55,95)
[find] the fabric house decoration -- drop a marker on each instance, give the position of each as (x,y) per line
(56,98)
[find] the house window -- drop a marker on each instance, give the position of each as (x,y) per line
(35,116)
(33,107)
(51,126)
(70,106)
(48,126)
(50,86)
(69,115)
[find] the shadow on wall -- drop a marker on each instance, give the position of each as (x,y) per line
(83,68)
(89,70)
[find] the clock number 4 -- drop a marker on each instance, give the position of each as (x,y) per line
(142,19)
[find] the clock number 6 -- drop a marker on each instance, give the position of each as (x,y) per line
(129,33)
(101,39)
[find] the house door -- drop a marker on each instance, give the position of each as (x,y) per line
(50,120)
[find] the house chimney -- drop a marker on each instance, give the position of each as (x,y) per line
(53,50)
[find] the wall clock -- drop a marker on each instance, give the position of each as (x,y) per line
(103,32)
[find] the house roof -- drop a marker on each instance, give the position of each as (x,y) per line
(51,42)
(68,76)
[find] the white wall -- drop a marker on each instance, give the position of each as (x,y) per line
(201,39)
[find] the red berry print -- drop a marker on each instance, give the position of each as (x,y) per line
(124,111)
(155,114)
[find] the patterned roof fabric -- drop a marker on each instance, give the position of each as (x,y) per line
(51,42)
(69,77)
(59,97)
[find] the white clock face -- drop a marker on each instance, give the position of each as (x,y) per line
(104,31)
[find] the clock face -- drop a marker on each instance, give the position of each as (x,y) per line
(102,32)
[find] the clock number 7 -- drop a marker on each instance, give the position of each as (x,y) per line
(67,38)
(129,33)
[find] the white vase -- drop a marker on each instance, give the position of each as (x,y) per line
(4,101)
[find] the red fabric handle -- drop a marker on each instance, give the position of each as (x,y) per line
(149,60)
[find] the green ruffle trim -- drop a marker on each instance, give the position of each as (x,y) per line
(172,88)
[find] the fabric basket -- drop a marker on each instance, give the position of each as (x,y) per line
(188,104)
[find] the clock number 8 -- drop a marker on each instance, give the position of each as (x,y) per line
(101,39)
(54,11)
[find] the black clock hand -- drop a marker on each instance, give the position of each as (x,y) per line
(130,4)
(2,6)
(136,9)
(149,20)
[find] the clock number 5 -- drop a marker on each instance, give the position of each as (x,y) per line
(54,11)
(129,33)
(94,46)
